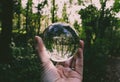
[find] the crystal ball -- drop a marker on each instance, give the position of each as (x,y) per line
(61,41)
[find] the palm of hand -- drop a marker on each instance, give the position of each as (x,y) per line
(62,72)
(66,74)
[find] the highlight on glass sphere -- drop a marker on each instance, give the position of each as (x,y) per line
(61,41)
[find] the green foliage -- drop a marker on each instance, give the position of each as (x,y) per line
(101,29)
(89,15)
(54,9)
(17,6)
(116,6)
(42,4)
(79,30)
(24,67)
(70,1)
(80,2)
(64,14)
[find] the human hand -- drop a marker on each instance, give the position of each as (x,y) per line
(68,71)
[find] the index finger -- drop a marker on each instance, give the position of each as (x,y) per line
(42,53)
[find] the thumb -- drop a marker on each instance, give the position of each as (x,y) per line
(42,53)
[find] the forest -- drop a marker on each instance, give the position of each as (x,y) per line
(99,28)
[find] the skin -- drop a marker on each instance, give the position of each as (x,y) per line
(63,71)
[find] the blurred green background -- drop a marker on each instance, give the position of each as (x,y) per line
(99,27)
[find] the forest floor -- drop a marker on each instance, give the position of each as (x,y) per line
(113,69)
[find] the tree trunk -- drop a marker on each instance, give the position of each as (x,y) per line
(39,22)
(53,11)
(6,32)
(19,17)
(101,26)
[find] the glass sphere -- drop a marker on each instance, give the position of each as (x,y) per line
(61,41)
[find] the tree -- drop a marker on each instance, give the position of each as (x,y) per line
(89,22)
(54,12)
(28,16)
(39,13)
(101,31)
(116,6)
(6,32)
(78,29)
(64,14)
(17,10)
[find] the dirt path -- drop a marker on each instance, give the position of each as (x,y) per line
(113,70)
